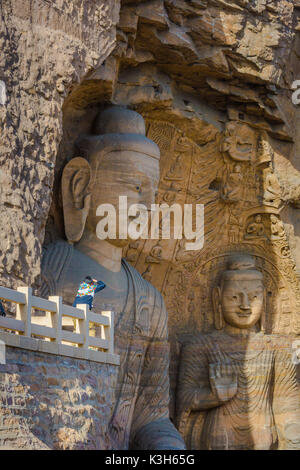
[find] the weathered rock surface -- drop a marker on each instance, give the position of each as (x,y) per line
(211,78)
(46,47)
(51,402)
(184,62)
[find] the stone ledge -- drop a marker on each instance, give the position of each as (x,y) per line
(33,344)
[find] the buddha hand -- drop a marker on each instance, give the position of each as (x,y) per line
(223,381)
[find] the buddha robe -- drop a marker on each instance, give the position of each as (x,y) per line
(265,411)
(140,418)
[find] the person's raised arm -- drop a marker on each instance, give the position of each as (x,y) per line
(99,285)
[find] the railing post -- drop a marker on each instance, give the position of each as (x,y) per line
(109,330)
(56,317)
(83,326)
(24,310)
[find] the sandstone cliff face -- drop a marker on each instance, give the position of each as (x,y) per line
(201,73)
(47,46)
(224,53)
(188,62)
(228,52)
(53,402)
(196,64)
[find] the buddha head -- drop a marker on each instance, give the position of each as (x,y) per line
(239,299)
(118,160)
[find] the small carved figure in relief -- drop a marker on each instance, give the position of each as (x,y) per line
(155,255)
(256,229)
(132,252)
(237,387)
(170,196)
(239,142)
(183,145)
(147,275)
(234,226)
(182,254)
(285,252)
(265,153)
(176,171)
(231,191)
(272,190)
(277,228)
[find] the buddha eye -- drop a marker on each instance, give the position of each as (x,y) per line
(138,188)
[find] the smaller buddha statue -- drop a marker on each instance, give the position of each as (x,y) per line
(237,386)
(272,190)
(234,225)
(256,229)
(277,228)
(232,188)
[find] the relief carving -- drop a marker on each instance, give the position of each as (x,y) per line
(239,142)
(155,255)
(272,190)
(277,228)
(231,190)
(255,228)
(233,175)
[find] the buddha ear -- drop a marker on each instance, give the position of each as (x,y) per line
(217,308)
(76,197)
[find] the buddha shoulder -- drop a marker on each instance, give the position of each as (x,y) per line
(143,286)
(55,261)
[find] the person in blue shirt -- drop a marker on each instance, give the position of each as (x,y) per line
(87,290)
(2,311)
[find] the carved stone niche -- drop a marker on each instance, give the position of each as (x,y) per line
(237,386)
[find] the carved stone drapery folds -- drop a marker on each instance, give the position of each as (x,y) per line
(237,386)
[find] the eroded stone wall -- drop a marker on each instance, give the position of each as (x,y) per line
(54,402)
(47,47)
(204,75)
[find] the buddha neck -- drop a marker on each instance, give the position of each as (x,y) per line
(101,251)
(231,330)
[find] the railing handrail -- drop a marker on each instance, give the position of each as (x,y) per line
(25,326)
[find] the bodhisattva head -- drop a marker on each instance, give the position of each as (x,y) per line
(117,161)
(238,301)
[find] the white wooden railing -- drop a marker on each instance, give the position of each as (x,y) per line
(49,335)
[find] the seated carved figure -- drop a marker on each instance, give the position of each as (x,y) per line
(118,161)
(237,386)
(256,228)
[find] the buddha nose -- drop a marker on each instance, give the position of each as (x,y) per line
(245,305)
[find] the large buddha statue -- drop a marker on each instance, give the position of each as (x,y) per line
(237,386)
(118,161)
